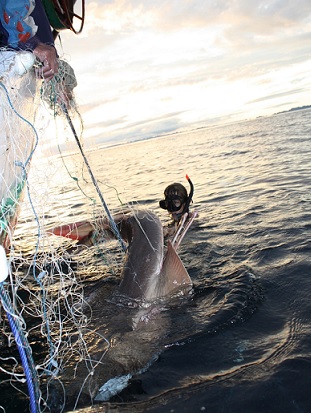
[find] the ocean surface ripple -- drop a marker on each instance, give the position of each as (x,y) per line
(242,341)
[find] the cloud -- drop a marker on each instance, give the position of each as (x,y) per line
(139,60)
(277,95)
(131,131)
(125,15)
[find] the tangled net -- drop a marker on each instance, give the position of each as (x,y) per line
(44,314)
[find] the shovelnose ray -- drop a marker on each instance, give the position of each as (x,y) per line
(149,272)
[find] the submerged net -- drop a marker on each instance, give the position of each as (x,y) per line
(44,292)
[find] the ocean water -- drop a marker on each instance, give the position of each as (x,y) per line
(241,343)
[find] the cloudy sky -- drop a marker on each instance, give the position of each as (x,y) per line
(147,67)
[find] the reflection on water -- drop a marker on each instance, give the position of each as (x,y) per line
(241,341)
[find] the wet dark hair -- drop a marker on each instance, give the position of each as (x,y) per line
(176,199)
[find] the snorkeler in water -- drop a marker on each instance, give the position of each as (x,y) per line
(176,200)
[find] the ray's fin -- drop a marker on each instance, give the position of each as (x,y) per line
(76,231)
(174,276)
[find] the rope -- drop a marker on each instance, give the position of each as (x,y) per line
(24,352)
(112,223)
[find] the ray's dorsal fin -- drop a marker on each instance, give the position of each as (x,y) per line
(174,276)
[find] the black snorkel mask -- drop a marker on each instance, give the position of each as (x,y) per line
(177,201)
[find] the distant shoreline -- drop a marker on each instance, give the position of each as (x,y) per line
(113,144)
(294,109)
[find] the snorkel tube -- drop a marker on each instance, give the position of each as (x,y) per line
(186,207)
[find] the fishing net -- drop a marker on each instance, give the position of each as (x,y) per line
(44,182)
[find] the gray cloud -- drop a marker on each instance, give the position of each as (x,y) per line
(131,131)
(277,95)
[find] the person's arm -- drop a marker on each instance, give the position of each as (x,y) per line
(21,28)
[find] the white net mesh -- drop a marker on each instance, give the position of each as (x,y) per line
(47,273)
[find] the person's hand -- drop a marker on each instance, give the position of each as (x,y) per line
(47,56)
